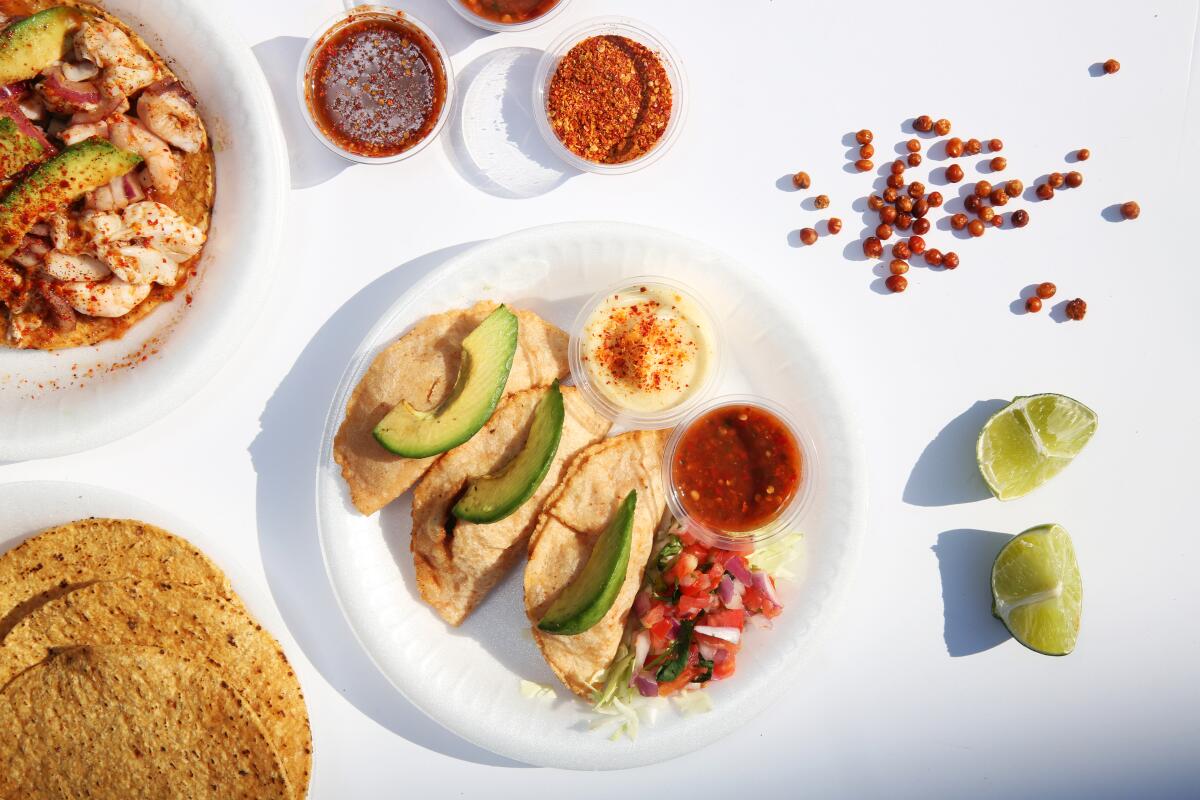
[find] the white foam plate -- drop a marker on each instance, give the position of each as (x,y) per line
(32,506)
(467,678)
(53,403)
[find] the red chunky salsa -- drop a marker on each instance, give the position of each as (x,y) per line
(736,468)
(509,12)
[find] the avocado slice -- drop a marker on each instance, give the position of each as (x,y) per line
(588,598)
(493,497)
(30,45)
(17,149)
(487,356)
(57,182)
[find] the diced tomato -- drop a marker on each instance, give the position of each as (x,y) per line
(690,606)
(683,566)
(660,635)
(685,677)
(726,618)
(687,538)
(725,668)
(656,613)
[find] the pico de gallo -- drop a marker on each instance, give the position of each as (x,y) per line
(691,613)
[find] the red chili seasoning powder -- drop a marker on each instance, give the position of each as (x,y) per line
(609,100)
(376,87)
(736,468)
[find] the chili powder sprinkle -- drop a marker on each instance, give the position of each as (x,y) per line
(609,100)
(643,349)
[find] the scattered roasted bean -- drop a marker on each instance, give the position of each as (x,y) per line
(933,257)
(864,136)
(958,221)
(913,145)
(941,127)
(1033,305)
(872,247)
(935,199)
(1014,188)
(1056,179)
(897,283)
(973,147)
(901,250)
(866,151)
(864,164)
(808,235)
(914,159)
(801,180)
(916,244)
(998,163)
(1046,290)
(983,189)
(834,225)
(1076,309)
(1074,179)
(999,196)
(954,147)
(954,173)
(1111,66)
(923,123)
(950,260)
(921,226)
(1020,218)
(821,201)
(1083,154)
(1130,210)
(874,202)
(995,145)
(1045,191)
(898,266)
(975,227)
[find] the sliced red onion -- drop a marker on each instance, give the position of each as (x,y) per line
(707,651)
(762,582)
(132,189)
(719,657)
(641,649)
(69,95)
(645,685)
(79,70)
(674,627)
(731,635)
(725,590)
(13,90)
(107,106)
(736,567)
(641,604)
(10,109)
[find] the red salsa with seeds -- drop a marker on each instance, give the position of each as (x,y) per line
(509,12)
(376,86)
(736,468)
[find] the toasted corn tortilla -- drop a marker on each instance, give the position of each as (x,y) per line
(572,519)
(456,571)
(421,368)
(192,200)
(194,626)
(121,722)
(70,556)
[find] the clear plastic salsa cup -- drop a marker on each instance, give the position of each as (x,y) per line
(640,418)
(610,26)
(501,27)
(356,12)
(788,516)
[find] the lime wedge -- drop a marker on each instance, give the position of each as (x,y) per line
(1031,440)
(1037,592)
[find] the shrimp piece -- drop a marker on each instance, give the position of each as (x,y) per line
(66,234)
(168,113)
(68,267)
(123,70)
(81,131)
(139,265)
(129,134)
(111,298)
(31,252)
(102,228)
(162,229)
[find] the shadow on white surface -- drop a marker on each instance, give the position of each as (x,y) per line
(312,163)
(493,140)
(965,559)
(284,455)
(946,473)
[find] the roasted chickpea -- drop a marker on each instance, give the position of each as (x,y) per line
(995,145)
(916,189)
(973,147)
(923,123)
(1083,154)
(954,147)
(904,221)
(975,227)
(954,173)
(898,266)
(901,250)
(941,127)
(950,260)
(1076,309)
(897,167)
(1046,290)
(1014,188)
(834,225)
(921,226)
(1033,305)
(999,196)
(983,188)
(808,235)
(920,208)
(896,283)
(895,181)
(986,213)
(935,199)
(958,221)
(887,214)
(864,165)
(998,163)
(1130,210)
(866,151)
(821,201)
(874,202)
(914,159)
(998,221)
(1020,218)
(904,203)
(916,244)
(801,180)
(1045,191)
(872,247)
(1074,179)
(971,203)
(890,194)
(913,145)
(864,136)
(883,231)
(1111,66)
(933,257)
(1056,179)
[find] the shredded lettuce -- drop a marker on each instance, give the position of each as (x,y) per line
(775,557)
(691,702)
(532,691)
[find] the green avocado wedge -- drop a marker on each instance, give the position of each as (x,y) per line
(30,45)
(493,497)
(57,182)
(17,149)
(586,600)
(487,357)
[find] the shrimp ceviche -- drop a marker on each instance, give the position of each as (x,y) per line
(106,173)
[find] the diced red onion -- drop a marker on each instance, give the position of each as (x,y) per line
(730,634)
(645,685)
(760,621)
(10,109)
(13,90)
(674,627)
(736,567)
(725,590)
(132,189)
(707,650)
(719,657)
(73,95)
(762,582)
(641,648)
(106,107)
(641,604)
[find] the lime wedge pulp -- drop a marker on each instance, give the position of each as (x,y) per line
(1036,590)
(1031,440)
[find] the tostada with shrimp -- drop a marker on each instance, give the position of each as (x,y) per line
(106,176)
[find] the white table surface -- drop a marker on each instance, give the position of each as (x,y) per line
(915,691)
